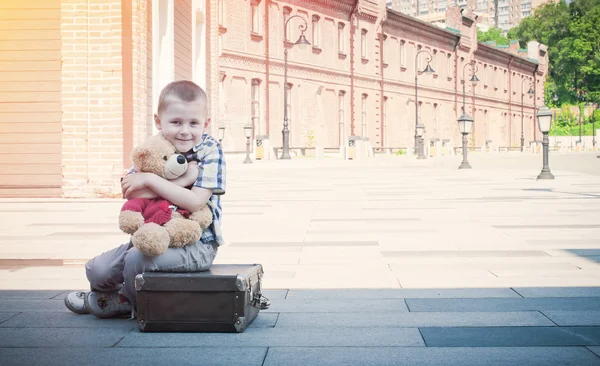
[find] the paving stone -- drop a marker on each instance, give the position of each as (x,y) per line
(289,337)
(264,320)
(337,306)
(402,293)
(275,294)
(6,316)
(21,305)
(465,356)
(60,337)
(332,243)
(483,264)
(595,349)
(466,319)
(65,319)
(513,304)
(558,291)
(510,336)
(214,356)
(574,318)
(553,226)
(465,253)
(30,294)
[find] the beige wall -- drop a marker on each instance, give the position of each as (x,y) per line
(30,98)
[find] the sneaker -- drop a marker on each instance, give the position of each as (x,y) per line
(75,301)
(108,304)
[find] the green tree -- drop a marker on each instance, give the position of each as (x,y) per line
(492,34)
(572,35)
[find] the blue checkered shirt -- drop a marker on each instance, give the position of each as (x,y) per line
(211,175)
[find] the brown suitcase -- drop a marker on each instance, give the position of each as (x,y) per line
(226,298)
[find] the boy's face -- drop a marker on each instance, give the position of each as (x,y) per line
(182,123)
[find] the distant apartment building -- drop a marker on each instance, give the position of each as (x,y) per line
(503,14)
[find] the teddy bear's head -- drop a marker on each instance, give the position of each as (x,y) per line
(157,155)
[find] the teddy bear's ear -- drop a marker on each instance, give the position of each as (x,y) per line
(138,154)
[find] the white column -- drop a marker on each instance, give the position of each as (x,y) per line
(199,42)
(163,48)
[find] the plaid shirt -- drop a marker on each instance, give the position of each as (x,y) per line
(211,175)
(211,164)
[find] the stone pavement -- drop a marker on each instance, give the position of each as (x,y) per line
(393,261)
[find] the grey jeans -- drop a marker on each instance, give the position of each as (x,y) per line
(117,268)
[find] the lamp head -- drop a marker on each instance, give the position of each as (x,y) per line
(302,41)
(465,124)
(428,69)
(248,130)
(544,116)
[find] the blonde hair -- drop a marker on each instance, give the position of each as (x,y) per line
(185,90)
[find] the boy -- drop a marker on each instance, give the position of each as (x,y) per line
(182,120)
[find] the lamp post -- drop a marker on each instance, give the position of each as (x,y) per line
(427,70)
(594,124)
(465,123)
(221,134)
(474,80)
(530,92)
(555,99)
(544,117)
(420,130)
(285,153)
(248,134)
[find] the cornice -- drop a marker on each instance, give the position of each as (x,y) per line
(404,23)
(504,57)
(343,5)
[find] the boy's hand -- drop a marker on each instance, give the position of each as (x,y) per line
(134,182)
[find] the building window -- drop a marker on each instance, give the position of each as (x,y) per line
(419,58)
(340,37)
(286,15)
(341,117)
(316,31)
(363,115)
(255,107)
(363,43)
(450,66)
(255,16)
(402,54)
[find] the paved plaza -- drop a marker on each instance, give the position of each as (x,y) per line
(387,261)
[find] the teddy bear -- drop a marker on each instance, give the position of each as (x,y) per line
(156,224)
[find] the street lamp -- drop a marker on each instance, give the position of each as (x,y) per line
(474,80)
(530,92)
(427,70)
(221,134)
(285,153)
(420,130)
(555,99)
(248,134)
(465,123)
(544,117)
(594,124)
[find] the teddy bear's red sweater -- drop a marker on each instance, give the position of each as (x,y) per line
(156,210)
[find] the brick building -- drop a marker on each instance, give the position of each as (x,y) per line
(80,80)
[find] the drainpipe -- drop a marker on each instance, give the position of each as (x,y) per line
(510,119)
(267,67)
(534,99)
(352,28)
(381,100)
